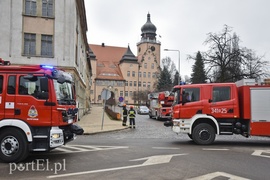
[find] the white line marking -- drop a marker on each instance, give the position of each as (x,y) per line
(83,148)
(259,153)
(211,149)
(152,160)
(165,148)
(216,175)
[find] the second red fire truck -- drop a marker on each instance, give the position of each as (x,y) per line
(203,111)
(159,105)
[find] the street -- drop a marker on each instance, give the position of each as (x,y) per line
(151,151)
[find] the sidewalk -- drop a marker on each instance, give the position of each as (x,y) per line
(92,122)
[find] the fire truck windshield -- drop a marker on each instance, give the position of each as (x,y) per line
(64,92)
(177,94)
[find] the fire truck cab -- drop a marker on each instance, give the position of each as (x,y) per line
(204,110)
(160,105)
(37,110)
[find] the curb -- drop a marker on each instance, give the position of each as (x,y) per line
(99,132)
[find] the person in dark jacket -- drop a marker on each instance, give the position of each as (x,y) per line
(125,114)
(132,115)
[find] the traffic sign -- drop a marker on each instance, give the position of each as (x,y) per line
(105,94)
(121,99)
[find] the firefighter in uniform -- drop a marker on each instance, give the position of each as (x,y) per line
(125,114)
(132,115)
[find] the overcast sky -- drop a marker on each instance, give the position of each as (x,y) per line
(182,24)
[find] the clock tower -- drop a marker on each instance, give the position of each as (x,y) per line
(148,54)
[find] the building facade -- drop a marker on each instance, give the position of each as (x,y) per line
(51,32)
(123,73)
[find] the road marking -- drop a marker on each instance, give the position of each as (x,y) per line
(165,148)
(152,160)
(212,149)
(260,152)
(83,148)
(218,175)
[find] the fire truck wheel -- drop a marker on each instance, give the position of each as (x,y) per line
(203,134)
(13,144)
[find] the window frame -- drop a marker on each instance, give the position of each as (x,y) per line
(30,7)
(29,44)
(48,8)
(46,45)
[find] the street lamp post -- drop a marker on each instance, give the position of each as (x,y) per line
(178,61)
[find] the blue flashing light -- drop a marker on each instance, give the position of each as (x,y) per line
(182,83)
(47,67)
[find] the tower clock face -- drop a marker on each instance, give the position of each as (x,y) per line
(153,48)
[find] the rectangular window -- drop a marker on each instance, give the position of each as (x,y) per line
(140,74)
(144,84)
(128,74)
(11,85)
(221,94)
(153,75)
(149,74)
(126,93)
(121,94)
(130,93)
(145,65)
(30,7)
(29,44)
(126,83)
(144,74)
(148,85)
(1,84)
(193,94)
(46,45)
(133,73)
(135,83)
(130,83)
(47,8)
(139,83)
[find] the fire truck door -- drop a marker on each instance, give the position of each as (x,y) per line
(222,102)
(2,104)
(9,100)
(30,105)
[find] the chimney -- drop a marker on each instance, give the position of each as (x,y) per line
(103,44)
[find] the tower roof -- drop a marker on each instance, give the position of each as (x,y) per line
(148,27)
(128,56)
(148,30)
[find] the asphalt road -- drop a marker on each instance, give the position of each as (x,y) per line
(151,151)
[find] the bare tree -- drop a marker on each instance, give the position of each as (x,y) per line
(226,61)
(254,66)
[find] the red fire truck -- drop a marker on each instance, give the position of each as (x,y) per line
(204,110)
(160,105)
(37,110)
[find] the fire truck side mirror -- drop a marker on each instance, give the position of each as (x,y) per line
(44,84)
(61,80)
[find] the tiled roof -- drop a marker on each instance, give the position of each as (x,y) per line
(129,57)
(108,58)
